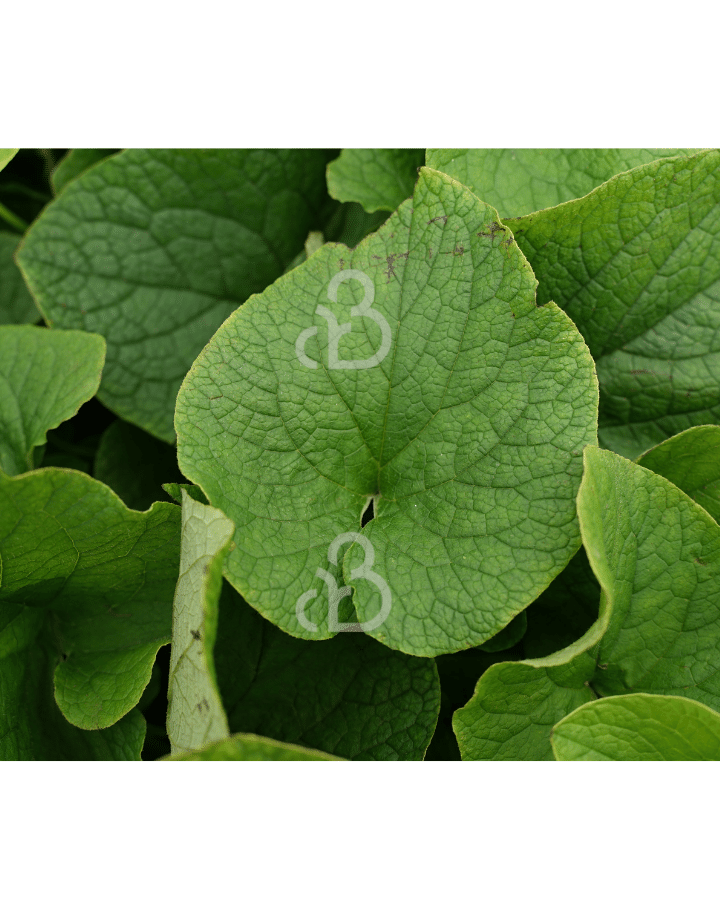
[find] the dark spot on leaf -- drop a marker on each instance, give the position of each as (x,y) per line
(195,634)
(442,219)
(700,562)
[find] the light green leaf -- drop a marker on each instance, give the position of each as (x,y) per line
(636,265)
(350,696)
(656,554)
(639,728)
(251,748)
(515,705)
(376,179)
(74,163)
(45,377)
(195,712)
(691,460)
(155,248)
(5,157)
(467,433)
(518,182)
(17,306)
(98,576)
(135,464)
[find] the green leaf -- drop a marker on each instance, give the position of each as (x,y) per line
(467,433)
(511,635)
(17,306)
(175,491)
(639,728)
(376,179)
(515,705)
(636,265)
(251,748)
(350,224)
(518,182)
(656,554)
(5,157)
(135,464)
(691,460)
(45,377)
(98,577)
(33,728)
(155,248)
(195,712)
(350,696)
(74,163)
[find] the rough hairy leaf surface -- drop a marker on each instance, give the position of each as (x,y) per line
(45,377)
(639,728)
(99,576)
(195,712)
(376,179)
(155,248)
(636,265)
(468,434)
(350,696)
(251,748)
(518,182)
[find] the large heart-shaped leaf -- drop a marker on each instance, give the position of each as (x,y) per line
(518,182)
(351,697)
(639,728)
(656,554)
(153,249)
(45,377)
(195,712)
(98,577)
(459,408)
(636,265)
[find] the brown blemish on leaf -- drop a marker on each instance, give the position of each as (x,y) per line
(700,562)
(195,634)
(442,219)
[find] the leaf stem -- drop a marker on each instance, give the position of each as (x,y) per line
(12,219)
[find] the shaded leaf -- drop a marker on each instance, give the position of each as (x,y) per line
(350,696)
(251,748)
(74,163)
(376,179)
(636,265)
(17,306)
(155,248)
(518,182)
(44,379)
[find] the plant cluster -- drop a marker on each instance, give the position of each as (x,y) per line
(371,454)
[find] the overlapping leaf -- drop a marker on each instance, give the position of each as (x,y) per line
(153,249)
(45,377)
(636,265)
(97,579)
(656,554)
(467,433)
(639,728)
(251,748)
(195,712)
(518,182)
(691,460)
(350,696)
(376,179)
(74,163)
